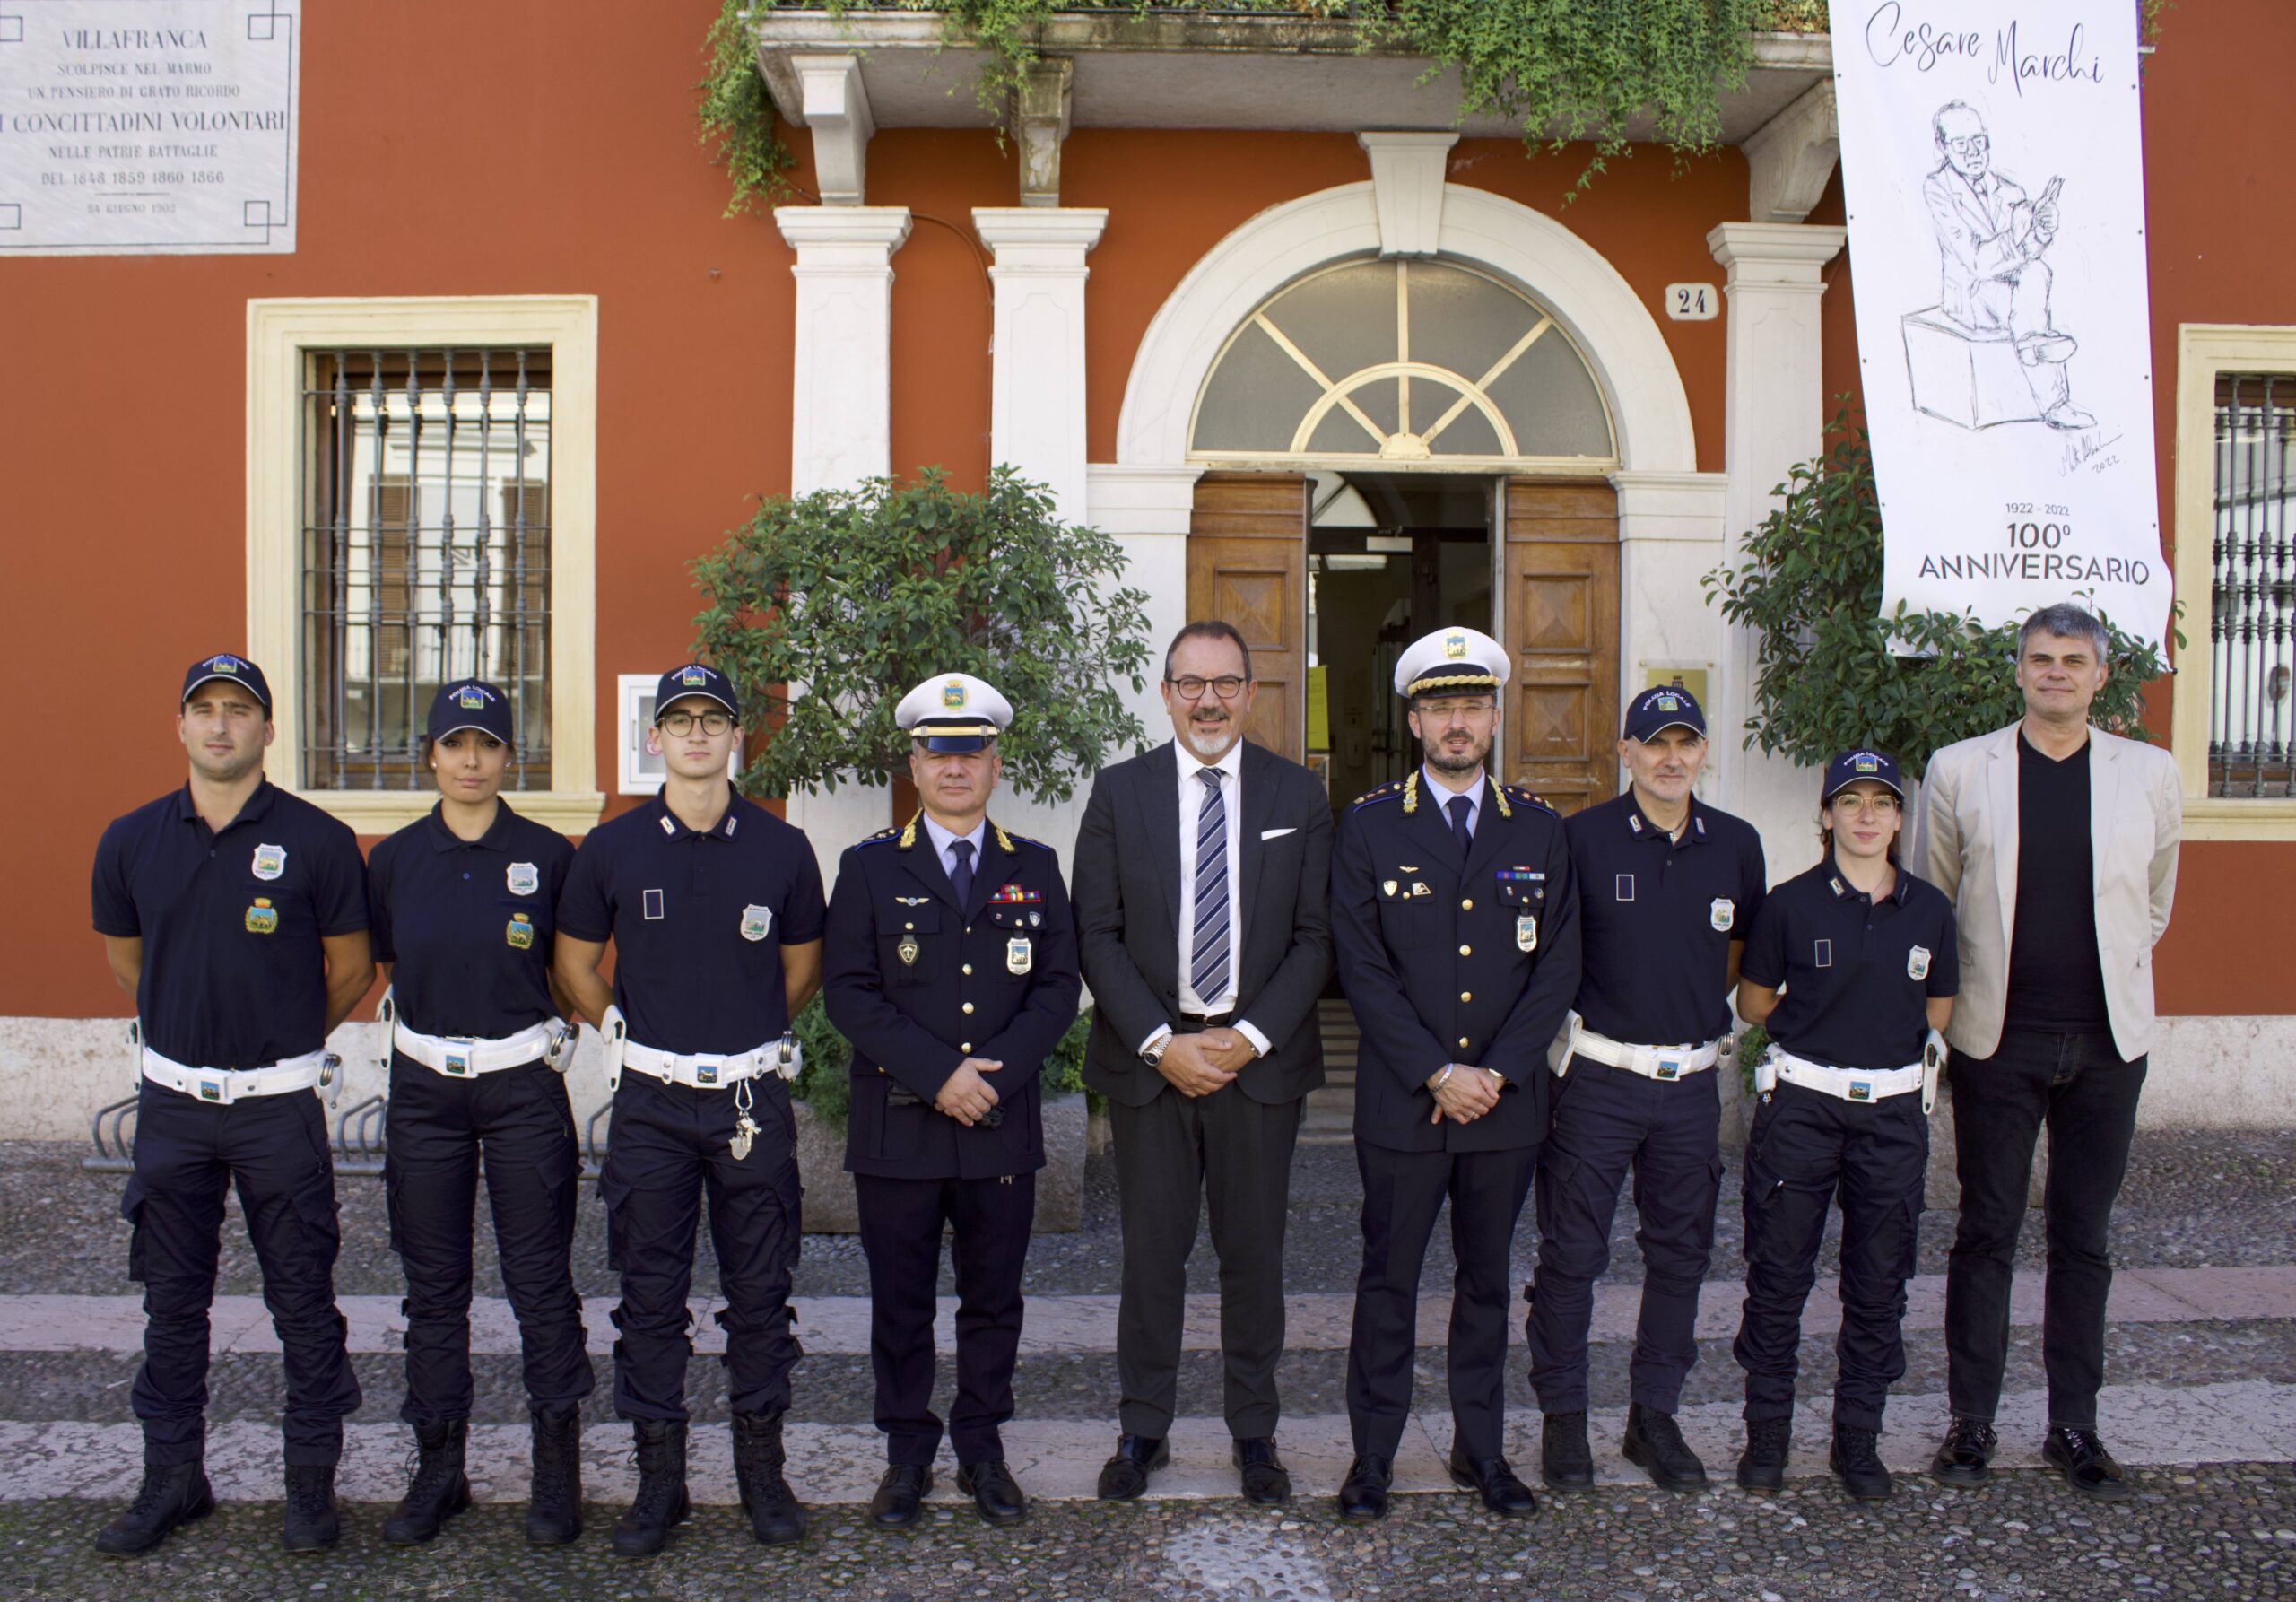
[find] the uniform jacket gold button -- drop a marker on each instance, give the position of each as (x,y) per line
(1466,951)
(1466,995)
(967,1009)
(1463,1042)
(1467,904)
(968,968)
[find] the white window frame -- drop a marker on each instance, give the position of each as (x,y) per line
(2205,351)
(280,334)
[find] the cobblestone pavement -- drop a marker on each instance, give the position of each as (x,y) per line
(2198,1528)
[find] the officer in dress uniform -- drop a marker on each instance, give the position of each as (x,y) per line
(1667,888)
(235,915)
(1852,969)
(1457,927)
(714,906)
(951,965)
(463,908)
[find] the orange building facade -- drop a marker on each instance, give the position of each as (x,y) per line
(1149,294)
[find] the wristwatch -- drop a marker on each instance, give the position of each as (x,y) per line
(1153,1056)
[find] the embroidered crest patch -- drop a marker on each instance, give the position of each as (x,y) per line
(518,932)
(756,921)
(523,878)
(1723,913)
(270,861)
(1917,963)
(263,918)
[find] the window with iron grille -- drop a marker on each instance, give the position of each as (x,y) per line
(2252,586)
(425,554)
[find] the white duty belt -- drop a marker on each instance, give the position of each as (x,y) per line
(1664,1063)
(696,1070)
(219,1087)
(460,1058)
(1849,1085)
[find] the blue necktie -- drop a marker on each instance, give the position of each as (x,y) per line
(1208,972)
(961,877)
(1458,805)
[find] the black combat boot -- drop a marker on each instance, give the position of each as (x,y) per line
(1654,1443)
(311,1525)
(775,1516)
(1566,1462)
(439,1487)
(1763,1466)
(1859,1466)
(554,1509)
(661,1500)
(167,1498)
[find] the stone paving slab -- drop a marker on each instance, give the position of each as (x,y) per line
(840,1325)
(1059,1460)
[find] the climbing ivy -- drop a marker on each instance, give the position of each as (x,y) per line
(1565,70)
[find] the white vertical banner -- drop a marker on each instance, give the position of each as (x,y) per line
(1993,165)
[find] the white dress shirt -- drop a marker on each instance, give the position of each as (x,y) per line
(1443,795)
(1230,768)
(942,839)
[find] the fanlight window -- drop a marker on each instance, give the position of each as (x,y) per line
(1401,362)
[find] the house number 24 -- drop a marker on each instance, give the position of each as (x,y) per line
(1692,302)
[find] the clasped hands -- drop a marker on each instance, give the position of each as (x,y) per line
(1462,1094)
(1196,1065)
(965,1095)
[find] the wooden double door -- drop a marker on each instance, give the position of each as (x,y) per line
(1559,617)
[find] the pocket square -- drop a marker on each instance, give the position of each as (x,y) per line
(1276,833)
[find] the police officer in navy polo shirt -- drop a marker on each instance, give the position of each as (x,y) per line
(1457,927)
(952,968)
(235,915)
(714,906)
(1851,966)
(463,905)
(1667,888)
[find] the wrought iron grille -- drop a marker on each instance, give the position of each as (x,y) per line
(2252,586)
(425,553)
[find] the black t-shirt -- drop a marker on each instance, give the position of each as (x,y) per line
(467,924)
(1858,974)
(2056,979)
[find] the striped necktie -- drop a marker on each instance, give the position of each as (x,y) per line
(1208,970)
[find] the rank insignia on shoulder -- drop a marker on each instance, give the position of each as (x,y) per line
(263,918)
(523,878)
(1723,913)
(1384,792)
(756,921)
(270,861)
(519,934)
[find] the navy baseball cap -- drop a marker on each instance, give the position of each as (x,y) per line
(1663,707)
(470,703)
(237,670)
(1851,766)
(696,678)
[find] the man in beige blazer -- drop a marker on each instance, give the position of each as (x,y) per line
(2058,843)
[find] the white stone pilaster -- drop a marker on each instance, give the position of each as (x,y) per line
(1037,394)
(840,423)
(1774,417)
(840,427)
(1672,532)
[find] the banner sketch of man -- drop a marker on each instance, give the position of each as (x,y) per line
(1991,239)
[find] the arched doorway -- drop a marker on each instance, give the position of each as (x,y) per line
(1392,444)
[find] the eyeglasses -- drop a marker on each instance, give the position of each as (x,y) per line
(1443,711)
(1227,686)
(1881,807)
(682,723)
(1973,144)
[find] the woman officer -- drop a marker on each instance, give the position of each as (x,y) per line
(1851,966)
(461,913)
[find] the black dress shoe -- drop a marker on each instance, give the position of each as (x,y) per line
(1494,1478)
(1266,1480)
(1566,1462)
(994,1491)
(1125,1476)
(2089,1469)
(1763,1466)
(899,1491)
(167,1498)
(1654,1442)
(1966,1457)
(1363,1494)
(1858,1465)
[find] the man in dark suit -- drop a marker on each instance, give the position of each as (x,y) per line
(1457,923)
(951,964)
(1201,872)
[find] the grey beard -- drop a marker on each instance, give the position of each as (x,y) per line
(1468,764)
(1212,745)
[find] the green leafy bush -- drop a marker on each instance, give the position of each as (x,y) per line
(860,595)
(1811,586)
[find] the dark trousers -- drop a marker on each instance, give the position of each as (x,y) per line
(1403,1191)
(2080,1088)
(188,1155)
(1171,1156)
(989,1221)
(669,1150)
(1807,1149)
(519,1122)
(1608,1121)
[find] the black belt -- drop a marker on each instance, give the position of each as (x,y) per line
(1189,1023)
